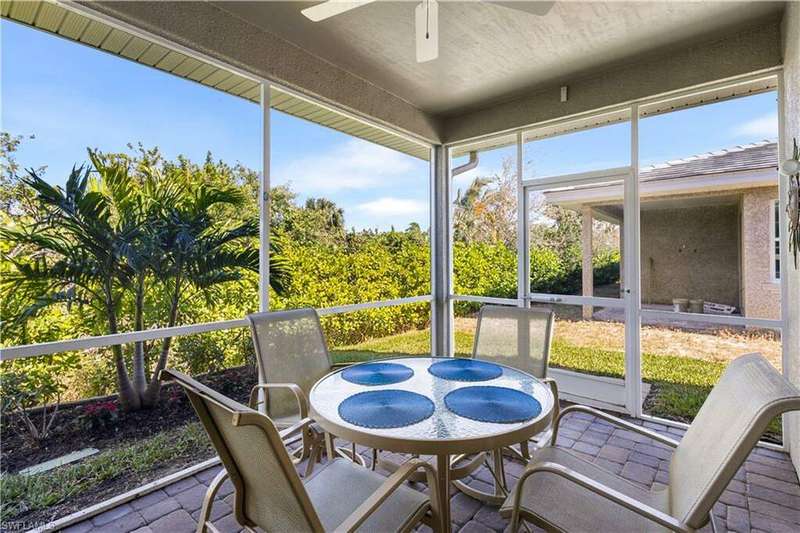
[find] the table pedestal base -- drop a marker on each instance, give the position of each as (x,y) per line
(498,495)
(443,486)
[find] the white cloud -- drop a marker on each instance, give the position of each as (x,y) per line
(393,207)
(763,127)
(354,164)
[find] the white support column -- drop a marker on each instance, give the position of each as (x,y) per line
(632,289)
(790,274)
(523,261)
(264,221)
(263,204)
(587,276)
(442,335)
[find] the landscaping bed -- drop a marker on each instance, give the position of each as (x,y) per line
(99,423)
(135,448)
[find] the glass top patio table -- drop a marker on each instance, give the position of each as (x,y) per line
(444,432)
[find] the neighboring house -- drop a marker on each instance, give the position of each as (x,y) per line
(708,228)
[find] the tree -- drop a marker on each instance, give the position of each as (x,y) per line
(138,231)
(14,198)
(319,220)
(486,212)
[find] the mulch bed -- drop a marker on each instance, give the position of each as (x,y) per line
(71,431)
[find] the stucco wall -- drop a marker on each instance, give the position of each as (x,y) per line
(690,253)
(761,294)
(791,99)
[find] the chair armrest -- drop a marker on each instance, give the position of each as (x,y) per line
(363,512)
(295,428)
(590,484)
(556,406)
(614,420)
(302,401)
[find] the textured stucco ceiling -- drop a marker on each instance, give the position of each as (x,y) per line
(490,52)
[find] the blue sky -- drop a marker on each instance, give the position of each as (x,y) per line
(71,96)
(661,138)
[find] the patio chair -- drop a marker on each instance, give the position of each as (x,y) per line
(518,337)
(268,492)
(560,491)
(292,354)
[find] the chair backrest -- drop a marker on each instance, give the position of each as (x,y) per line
(269,493)
(750,394)
(515,336)
(290,348)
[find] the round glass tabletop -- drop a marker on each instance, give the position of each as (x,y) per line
(444,432)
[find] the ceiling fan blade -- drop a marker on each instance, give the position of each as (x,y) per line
(426,17)
(535,8)
(332,8)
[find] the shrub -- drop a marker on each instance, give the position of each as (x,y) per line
(605,264)
(32,383)
(482,269)
(549,273)
(98,416)
(364,267)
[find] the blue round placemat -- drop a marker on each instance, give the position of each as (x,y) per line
(381,409)
(377,373)
(465,370)
(492,404)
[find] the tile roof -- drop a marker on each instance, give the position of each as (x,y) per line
(757,155)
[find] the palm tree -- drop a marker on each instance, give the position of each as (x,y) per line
(79,251)
(102,239)
(192,251)
(468,209)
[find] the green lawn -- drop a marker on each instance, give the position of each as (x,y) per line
(681,384)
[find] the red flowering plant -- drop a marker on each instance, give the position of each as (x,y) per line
(99,415)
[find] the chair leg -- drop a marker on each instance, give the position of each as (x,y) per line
(514,521)
(525,450)
(208,501)
(329,446)
(499,474)
(374,459)
(314,457)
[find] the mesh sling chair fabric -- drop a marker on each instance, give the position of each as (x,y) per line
(269,493)
(520,338)
(750,393)
(291,349)
(515,336)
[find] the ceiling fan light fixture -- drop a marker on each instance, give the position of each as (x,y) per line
(426,18)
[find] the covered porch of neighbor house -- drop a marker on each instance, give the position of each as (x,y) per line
(707,226)
(485,90)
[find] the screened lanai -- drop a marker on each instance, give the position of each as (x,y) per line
(400,199)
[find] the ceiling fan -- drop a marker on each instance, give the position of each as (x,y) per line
(426,18)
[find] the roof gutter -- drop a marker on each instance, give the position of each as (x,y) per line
(469,165)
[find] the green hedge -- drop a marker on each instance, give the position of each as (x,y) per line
(373,267)
(382,267)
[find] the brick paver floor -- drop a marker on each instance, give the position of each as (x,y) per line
(764,495)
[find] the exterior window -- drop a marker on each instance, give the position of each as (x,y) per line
(776,241)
